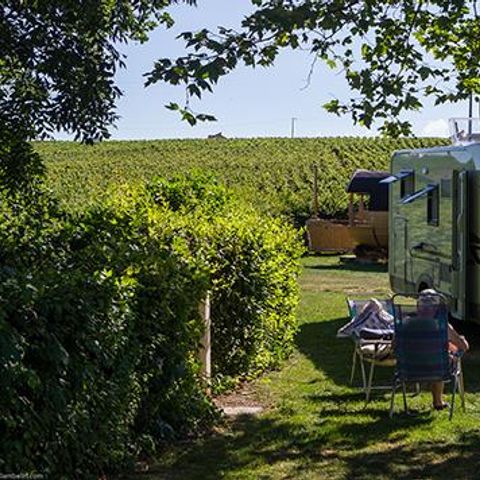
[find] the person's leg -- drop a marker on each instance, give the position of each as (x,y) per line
(437,394)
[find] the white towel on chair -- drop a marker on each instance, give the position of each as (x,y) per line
(372,316)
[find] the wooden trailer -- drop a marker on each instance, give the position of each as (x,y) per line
(367,223)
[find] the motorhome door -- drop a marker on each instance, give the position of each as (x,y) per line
(399,252)
(459,242)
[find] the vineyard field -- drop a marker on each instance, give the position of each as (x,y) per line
(273,173)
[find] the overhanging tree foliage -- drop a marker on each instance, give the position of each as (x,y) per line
(392,53)
(58,61)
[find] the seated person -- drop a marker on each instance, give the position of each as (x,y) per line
(427,305)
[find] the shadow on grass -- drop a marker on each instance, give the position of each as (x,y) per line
(318,342)
(350,267)
(427,460)
(272,448)
(435,461)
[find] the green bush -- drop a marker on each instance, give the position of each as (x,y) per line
(255,294)
(198,189)
(99,323)
(99,330)
(253,265)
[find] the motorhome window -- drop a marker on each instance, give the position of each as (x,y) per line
(407,185)
(446,188)
(433,209)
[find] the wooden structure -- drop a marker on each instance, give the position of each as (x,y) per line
(367,223)
(329,236)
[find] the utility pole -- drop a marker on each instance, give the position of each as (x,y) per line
(470,115)
(292,129)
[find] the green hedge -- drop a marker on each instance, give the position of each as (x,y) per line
(99,324)
(254,296)
(253,266)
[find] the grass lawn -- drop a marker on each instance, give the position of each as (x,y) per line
(317,427)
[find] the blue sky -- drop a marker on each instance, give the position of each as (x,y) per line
(247,103)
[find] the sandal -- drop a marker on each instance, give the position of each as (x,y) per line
(443,406)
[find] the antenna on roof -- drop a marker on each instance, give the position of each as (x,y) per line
(465,131)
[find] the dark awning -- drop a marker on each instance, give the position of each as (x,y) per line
(421,193)
(368,182)
(398,176)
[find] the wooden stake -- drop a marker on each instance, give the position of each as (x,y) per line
(315,207)
(205,350)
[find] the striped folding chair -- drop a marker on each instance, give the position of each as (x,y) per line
(422,349)
(372,346)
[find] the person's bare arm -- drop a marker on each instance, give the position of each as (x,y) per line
(458,340)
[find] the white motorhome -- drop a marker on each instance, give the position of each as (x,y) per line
(434,220)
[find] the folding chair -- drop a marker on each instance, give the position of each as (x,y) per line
(422,349)
(372,347)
